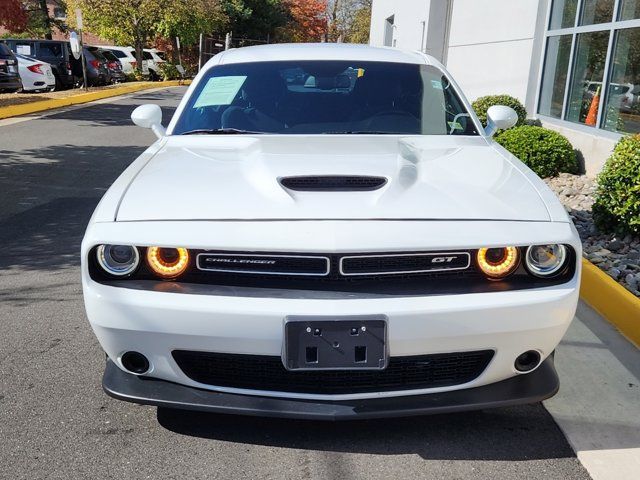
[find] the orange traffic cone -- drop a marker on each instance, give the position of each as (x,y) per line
(592,116)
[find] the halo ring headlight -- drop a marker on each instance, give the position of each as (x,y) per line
(497,263)
(118,260)
(545,260)
(168,262)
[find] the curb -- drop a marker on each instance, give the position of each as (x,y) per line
(611,300)
(26,108)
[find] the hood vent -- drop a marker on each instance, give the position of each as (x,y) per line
(333,183)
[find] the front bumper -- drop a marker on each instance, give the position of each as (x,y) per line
(539,385)
(231,320)
(10,82)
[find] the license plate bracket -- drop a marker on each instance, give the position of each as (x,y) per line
(335,343)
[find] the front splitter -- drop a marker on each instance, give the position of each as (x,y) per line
(530,388)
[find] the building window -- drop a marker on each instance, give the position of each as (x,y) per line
(555,75)
(591,70)
(596,11)
(563,14)
(388,32)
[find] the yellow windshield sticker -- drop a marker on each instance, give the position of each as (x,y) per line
(219,91)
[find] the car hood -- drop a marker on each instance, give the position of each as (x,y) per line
(238,178)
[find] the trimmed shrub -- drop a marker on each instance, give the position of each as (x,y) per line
(482,104)
(169,71)
(544,151)
(135,76)
(617,200)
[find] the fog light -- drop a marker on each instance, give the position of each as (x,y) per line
(498,262)
(135,362)
(545,260)
(168,262)
(118,260)
(527,361)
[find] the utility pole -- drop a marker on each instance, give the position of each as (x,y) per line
(83,60)
(178,46)
(200,51)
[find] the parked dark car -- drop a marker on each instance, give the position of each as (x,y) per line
(9,76)
(55,52)
(114,66)
(97,72)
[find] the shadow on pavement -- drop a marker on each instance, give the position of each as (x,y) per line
(48,236)
(49,195)
(115,115)
(510,434)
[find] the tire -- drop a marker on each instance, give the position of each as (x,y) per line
(58,85)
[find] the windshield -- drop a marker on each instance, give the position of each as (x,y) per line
(5,52)
(315,97)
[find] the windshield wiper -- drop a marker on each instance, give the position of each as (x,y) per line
(219,131)
(363,132)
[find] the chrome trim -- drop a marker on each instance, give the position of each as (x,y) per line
(226,270)
(103,264)
(430,254)
(551,273)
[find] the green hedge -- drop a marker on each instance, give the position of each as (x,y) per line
(617,201)
(482,104)
(544,151)
(169,71)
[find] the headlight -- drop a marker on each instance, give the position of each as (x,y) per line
(498,262)
(168,262)
(545,260)
(118,260)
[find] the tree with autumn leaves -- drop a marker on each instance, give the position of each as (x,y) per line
(308,21)
(13,15)
(29,17)
(141,22)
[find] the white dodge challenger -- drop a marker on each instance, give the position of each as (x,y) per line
(328,232)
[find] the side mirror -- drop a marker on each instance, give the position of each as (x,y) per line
(500,117)
(149,116)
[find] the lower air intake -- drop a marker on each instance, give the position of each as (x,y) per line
(266,373)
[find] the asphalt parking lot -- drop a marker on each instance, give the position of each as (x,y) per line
(56,422)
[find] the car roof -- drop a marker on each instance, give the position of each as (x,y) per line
(114,47)
(322,51)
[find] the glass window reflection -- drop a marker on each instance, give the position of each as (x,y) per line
(554,78)
(588,73)
(596,11)
(563,14)
(622,110)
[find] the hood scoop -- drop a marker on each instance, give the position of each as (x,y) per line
(333,183)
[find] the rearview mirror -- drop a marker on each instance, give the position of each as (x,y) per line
(149,116)
(500,117)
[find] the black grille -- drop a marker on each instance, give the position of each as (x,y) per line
(407,263)
(263,264)
(333,183)
(261,372)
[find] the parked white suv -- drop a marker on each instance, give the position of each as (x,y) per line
(354,245)
(127,56)
(154,60)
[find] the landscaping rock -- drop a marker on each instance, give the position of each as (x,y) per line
(618,257)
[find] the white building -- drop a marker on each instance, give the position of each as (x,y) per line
(574,64)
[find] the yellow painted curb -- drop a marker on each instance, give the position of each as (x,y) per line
(27,108)
(614,302)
